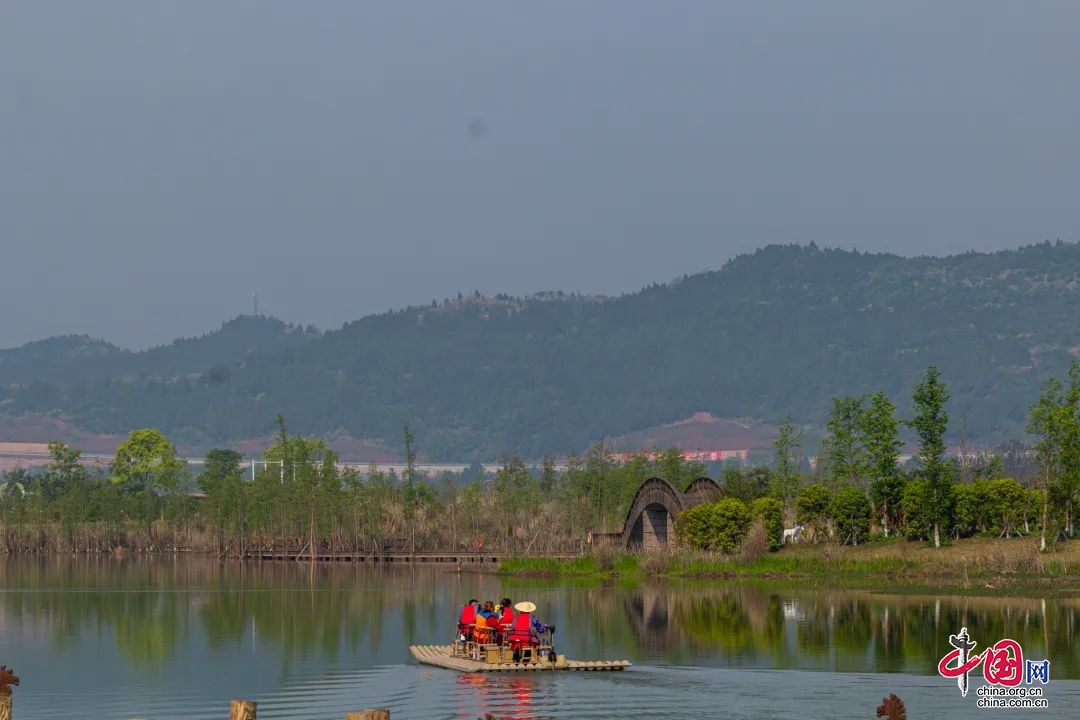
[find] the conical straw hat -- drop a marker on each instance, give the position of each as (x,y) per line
(525,606)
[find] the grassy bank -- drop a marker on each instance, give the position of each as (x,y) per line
(975,563)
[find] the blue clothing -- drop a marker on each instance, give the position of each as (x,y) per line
(541,627)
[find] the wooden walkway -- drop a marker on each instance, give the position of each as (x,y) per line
(439,655)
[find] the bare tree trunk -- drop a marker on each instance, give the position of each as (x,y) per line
(1046,512)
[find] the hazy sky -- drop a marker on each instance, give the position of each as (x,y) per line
(161,161)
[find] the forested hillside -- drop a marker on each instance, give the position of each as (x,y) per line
(76,359)
(776,332)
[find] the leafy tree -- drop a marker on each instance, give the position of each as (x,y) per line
(844,445)
(1069,484)
(1051,421)
(147,460)
(922,507)
(930,423)
(747,485)
(771,512)
(64,469)
(881,436)
(916,506)
(850,510)
(786,477)
(812,507)
(1009,502)
(989,466)
(972,511)
(517,495)
(65,482)
(295,502)
(221,480)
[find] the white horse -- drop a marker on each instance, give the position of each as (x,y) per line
(792,533)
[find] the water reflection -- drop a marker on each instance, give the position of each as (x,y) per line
(840,630)
(156,613)
(509,697)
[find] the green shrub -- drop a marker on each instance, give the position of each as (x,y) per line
(850,509)
(1006,505)
(972,508)
(812,506)
(918,520)
(693,527)
(771,512)
(995,506)
(714,526)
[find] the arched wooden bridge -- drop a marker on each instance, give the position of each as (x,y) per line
(650,521)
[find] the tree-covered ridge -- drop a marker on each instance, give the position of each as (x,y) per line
(74,359)
(773,333)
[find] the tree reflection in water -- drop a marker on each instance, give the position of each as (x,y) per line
(159,609)
(840,630)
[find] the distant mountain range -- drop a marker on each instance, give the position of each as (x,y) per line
(778,331)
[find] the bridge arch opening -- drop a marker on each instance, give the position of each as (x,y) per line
(653,528)
(656,527)
(650,522)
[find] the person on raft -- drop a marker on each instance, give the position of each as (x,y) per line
(467,619)
(506,616)
(525,630)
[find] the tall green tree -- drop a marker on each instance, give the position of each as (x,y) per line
(844,445)
(1069,485)
(747,485)
(786,467)
(930,423)
(309,474)
(147,460)
(880,432)
(64,468)
(65,482)
(221,480)
(1052,420)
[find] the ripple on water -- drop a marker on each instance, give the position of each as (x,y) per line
(418,693)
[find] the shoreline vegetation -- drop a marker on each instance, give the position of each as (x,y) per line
(856,512)
(980,565)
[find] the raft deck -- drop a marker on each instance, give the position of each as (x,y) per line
(440,655)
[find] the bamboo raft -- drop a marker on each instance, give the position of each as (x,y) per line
(498,660)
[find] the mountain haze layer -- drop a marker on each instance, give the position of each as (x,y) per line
(776,332)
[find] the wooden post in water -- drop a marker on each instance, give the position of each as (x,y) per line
(241,710)
(370,714)
(5,707)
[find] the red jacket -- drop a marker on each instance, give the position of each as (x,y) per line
(507,617)
(468,615)
(521,629)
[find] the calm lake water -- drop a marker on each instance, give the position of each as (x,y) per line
(106,637)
